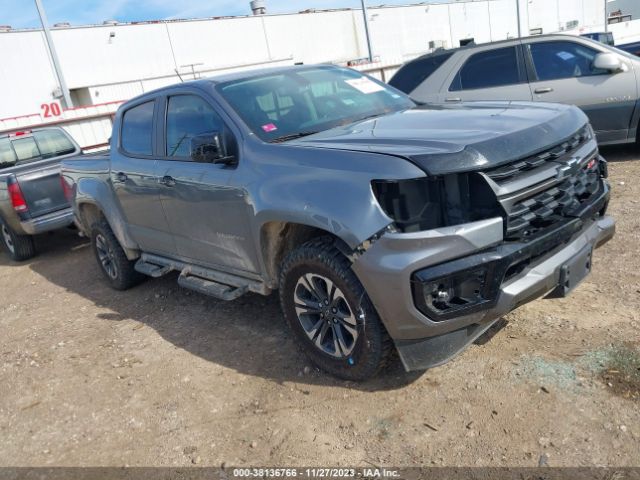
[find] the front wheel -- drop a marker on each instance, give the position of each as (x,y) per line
(330,313)
(113,262)
(19,247)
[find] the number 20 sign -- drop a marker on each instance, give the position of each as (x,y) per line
(50,110)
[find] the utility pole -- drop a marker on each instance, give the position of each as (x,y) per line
(366,30)
(606,16)
(518,15)
(54,56)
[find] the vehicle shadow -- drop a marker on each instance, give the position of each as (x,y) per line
(47,243)
(247,335)
(620,153)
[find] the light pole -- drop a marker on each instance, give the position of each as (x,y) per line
(54,55)
(606,17)
(366,30)
(518,15)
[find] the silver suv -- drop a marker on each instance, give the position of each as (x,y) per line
(600,79)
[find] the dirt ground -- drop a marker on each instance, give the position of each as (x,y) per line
(162,376)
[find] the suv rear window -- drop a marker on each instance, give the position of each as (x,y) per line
(492,68)
(39,145)
(412,74)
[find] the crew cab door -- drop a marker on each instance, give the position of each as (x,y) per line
(208,217)
(563,72)
(488,73)
(135,182)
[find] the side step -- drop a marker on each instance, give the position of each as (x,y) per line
(151,269)
(209,287)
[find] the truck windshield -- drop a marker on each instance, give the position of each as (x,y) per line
(29,147)
(282,106)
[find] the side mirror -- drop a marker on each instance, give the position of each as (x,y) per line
(209,148)
(610,62)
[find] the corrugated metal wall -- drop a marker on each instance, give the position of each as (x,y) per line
(117,62)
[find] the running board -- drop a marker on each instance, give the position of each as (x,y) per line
(216,283)
(151,269)
(209,287)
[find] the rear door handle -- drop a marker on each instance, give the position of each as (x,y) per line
(168,181)
(121,177)
(544,90)
(453,99)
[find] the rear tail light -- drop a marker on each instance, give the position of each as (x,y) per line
(17,198)
(66,189)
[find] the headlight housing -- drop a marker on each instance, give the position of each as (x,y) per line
(432,202)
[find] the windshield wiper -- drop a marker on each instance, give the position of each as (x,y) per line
(291,136)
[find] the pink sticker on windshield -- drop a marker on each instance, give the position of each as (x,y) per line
(269,127)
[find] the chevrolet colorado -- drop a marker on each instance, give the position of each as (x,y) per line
(31,196)
(383,224)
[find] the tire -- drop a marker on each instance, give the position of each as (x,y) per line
(113,263)
(345,337)
(18,247)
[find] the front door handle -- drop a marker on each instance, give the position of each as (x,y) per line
(168,181)
(540,91)
(453,99)
(121,177)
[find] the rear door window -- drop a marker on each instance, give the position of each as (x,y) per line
(489,69)
(411,75)
(137,129)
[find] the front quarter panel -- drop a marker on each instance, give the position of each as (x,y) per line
(322,188)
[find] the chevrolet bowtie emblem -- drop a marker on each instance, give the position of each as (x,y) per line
(568,167)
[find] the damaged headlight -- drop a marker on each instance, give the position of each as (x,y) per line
(432,202)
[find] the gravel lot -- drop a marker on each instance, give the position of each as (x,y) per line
(159,375)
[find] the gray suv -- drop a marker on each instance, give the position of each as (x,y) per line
(600,79)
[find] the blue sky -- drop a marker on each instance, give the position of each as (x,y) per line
(22,13)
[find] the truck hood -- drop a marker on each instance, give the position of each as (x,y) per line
(464,137)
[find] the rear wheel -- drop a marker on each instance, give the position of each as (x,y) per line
(330,313)
(114,264)
(18,247)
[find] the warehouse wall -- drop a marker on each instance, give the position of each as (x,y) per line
(116,62)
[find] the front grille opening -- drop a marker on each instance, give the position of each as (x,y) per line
(517,268)
(565,200)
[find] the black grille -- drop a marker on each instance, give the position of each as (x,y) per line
(543,210)
(507,172)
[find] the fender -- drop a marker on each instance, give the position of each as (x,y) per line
(326,190)
(97,192)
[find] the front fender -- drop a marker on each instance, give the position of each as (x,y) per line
(329,190)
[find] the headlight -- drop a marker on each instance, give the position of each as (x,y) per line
(432,202)
(413,205)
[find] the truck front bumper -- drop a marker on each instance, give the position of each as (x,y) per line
(45,223)
(396,269)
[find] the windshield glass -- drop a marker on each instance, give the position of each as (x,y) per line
(300,102)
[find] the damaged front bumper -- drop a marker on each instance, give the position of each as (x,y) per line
(401,272)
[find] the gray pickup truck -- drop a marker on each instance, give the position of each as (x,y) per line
(385,225)
(32,200)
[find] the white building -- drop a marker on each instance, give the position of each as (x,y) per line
(113,62)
